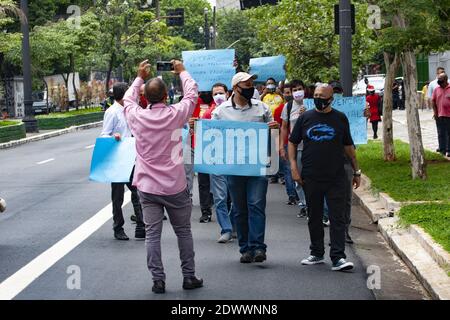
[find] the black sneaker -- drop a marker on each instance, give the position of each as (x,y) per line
(303,213)
(246,257)
(292,201)
(260,256)
(139,234)
(192,283)
(121,235)
(206,216)
(342,265)
(273,180)
(159,286)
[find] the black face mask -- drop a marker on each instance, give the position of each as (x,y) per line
(321,104)
(247,93)
(207,98)
(288,98)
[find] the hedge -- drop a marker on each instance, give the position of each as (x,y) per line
(12,132)
(49,122)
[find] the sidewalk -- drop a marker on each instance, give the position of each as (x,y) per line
(427,125)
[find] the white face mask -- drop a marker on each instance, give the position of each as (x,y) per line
(298,95)
(219,99)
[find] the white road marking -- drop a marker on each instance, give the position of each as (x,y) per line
(46,161)
(90,147)
(16,283)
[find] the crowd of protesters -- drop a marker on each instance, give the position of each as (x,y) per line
(317,166)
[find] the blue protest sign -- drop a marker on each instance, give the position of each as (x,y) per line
(113,161)
(269,67)
(209,67)
(353,107)
(231,148)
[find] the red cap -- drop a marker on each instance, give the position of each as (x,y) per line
(370,88)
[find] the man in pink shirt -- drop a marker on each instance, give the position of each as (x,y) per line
(159,174)
(441,109)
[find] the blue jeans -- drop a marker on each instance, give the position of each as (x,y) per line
(285,167)
(219,189)
(248,195)
(299,188)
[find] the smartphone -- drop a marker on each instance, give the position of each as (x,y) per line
(164,66)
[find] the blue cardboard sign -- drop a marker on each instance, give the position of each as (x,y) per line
(231,148)
(353,108)
(209,67)
(269,67)
(113,161)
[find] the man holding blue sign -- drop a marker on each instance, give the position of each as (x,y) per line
(114,124)
(248,193)
(326,135)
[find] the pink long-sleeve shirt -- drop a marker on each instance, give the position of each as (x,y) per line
(159,167)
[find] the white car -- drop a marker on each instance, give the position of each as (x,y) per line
(359,89)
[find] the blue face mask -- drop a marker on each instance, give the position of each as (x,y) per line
(338,95)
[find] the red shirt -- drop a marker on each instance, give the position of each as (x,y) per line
(201,114)
(277,117)
(441,97)
(373,100)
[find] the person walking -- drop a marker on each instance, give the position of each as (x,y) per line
(159,175)
(441,110)
(115,125)
(248,194)
(374,102)
(326,135)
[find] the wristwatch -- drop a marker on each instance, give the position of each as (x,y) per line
(357,173)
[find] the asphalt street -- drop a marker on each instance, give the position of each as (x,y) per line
(49,195)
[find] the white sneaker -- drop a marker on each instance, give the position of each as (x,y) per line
(2,205)
(342,265)
(226,237)
(311,260)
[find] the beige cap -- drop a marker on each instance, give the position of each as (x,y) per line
(242,76)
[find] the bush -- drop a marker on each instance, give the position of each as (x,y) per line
(68,119)
(11,130)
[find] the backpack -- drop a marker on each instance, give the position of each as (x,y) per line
(289,109)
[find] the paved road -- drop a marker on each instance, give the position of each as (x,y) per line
(48,199)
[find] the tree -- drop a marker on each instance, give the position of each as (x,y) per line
(234,28)
(303,31)
(194,18)
(403,37)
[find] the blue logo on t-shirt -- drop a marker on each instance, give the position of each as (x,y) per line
(321,132)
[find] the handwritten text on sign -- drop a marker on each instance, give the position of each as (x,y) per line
(269,67)
(209,67)
(353,108)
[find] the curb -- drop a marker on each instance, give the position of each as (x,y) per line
(44,136)
(427,260)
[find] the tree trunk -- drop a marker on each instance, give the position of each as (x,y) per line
(75,91)
(392,64)
(110,67)
(66,81)
(412,116)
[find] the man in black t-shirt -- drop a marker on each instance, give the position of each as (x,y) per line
(326,137)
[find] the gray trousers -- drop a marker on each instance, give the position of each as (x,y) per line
(179,208)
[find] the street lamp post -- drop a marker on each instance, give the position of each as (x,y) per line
(206,29)
(29,120)
(345,39)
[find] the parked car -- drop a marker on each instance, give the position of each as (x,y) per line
(376,80)
(41,104)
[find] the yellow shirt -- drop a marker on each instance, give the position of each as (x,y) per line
(273,100)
